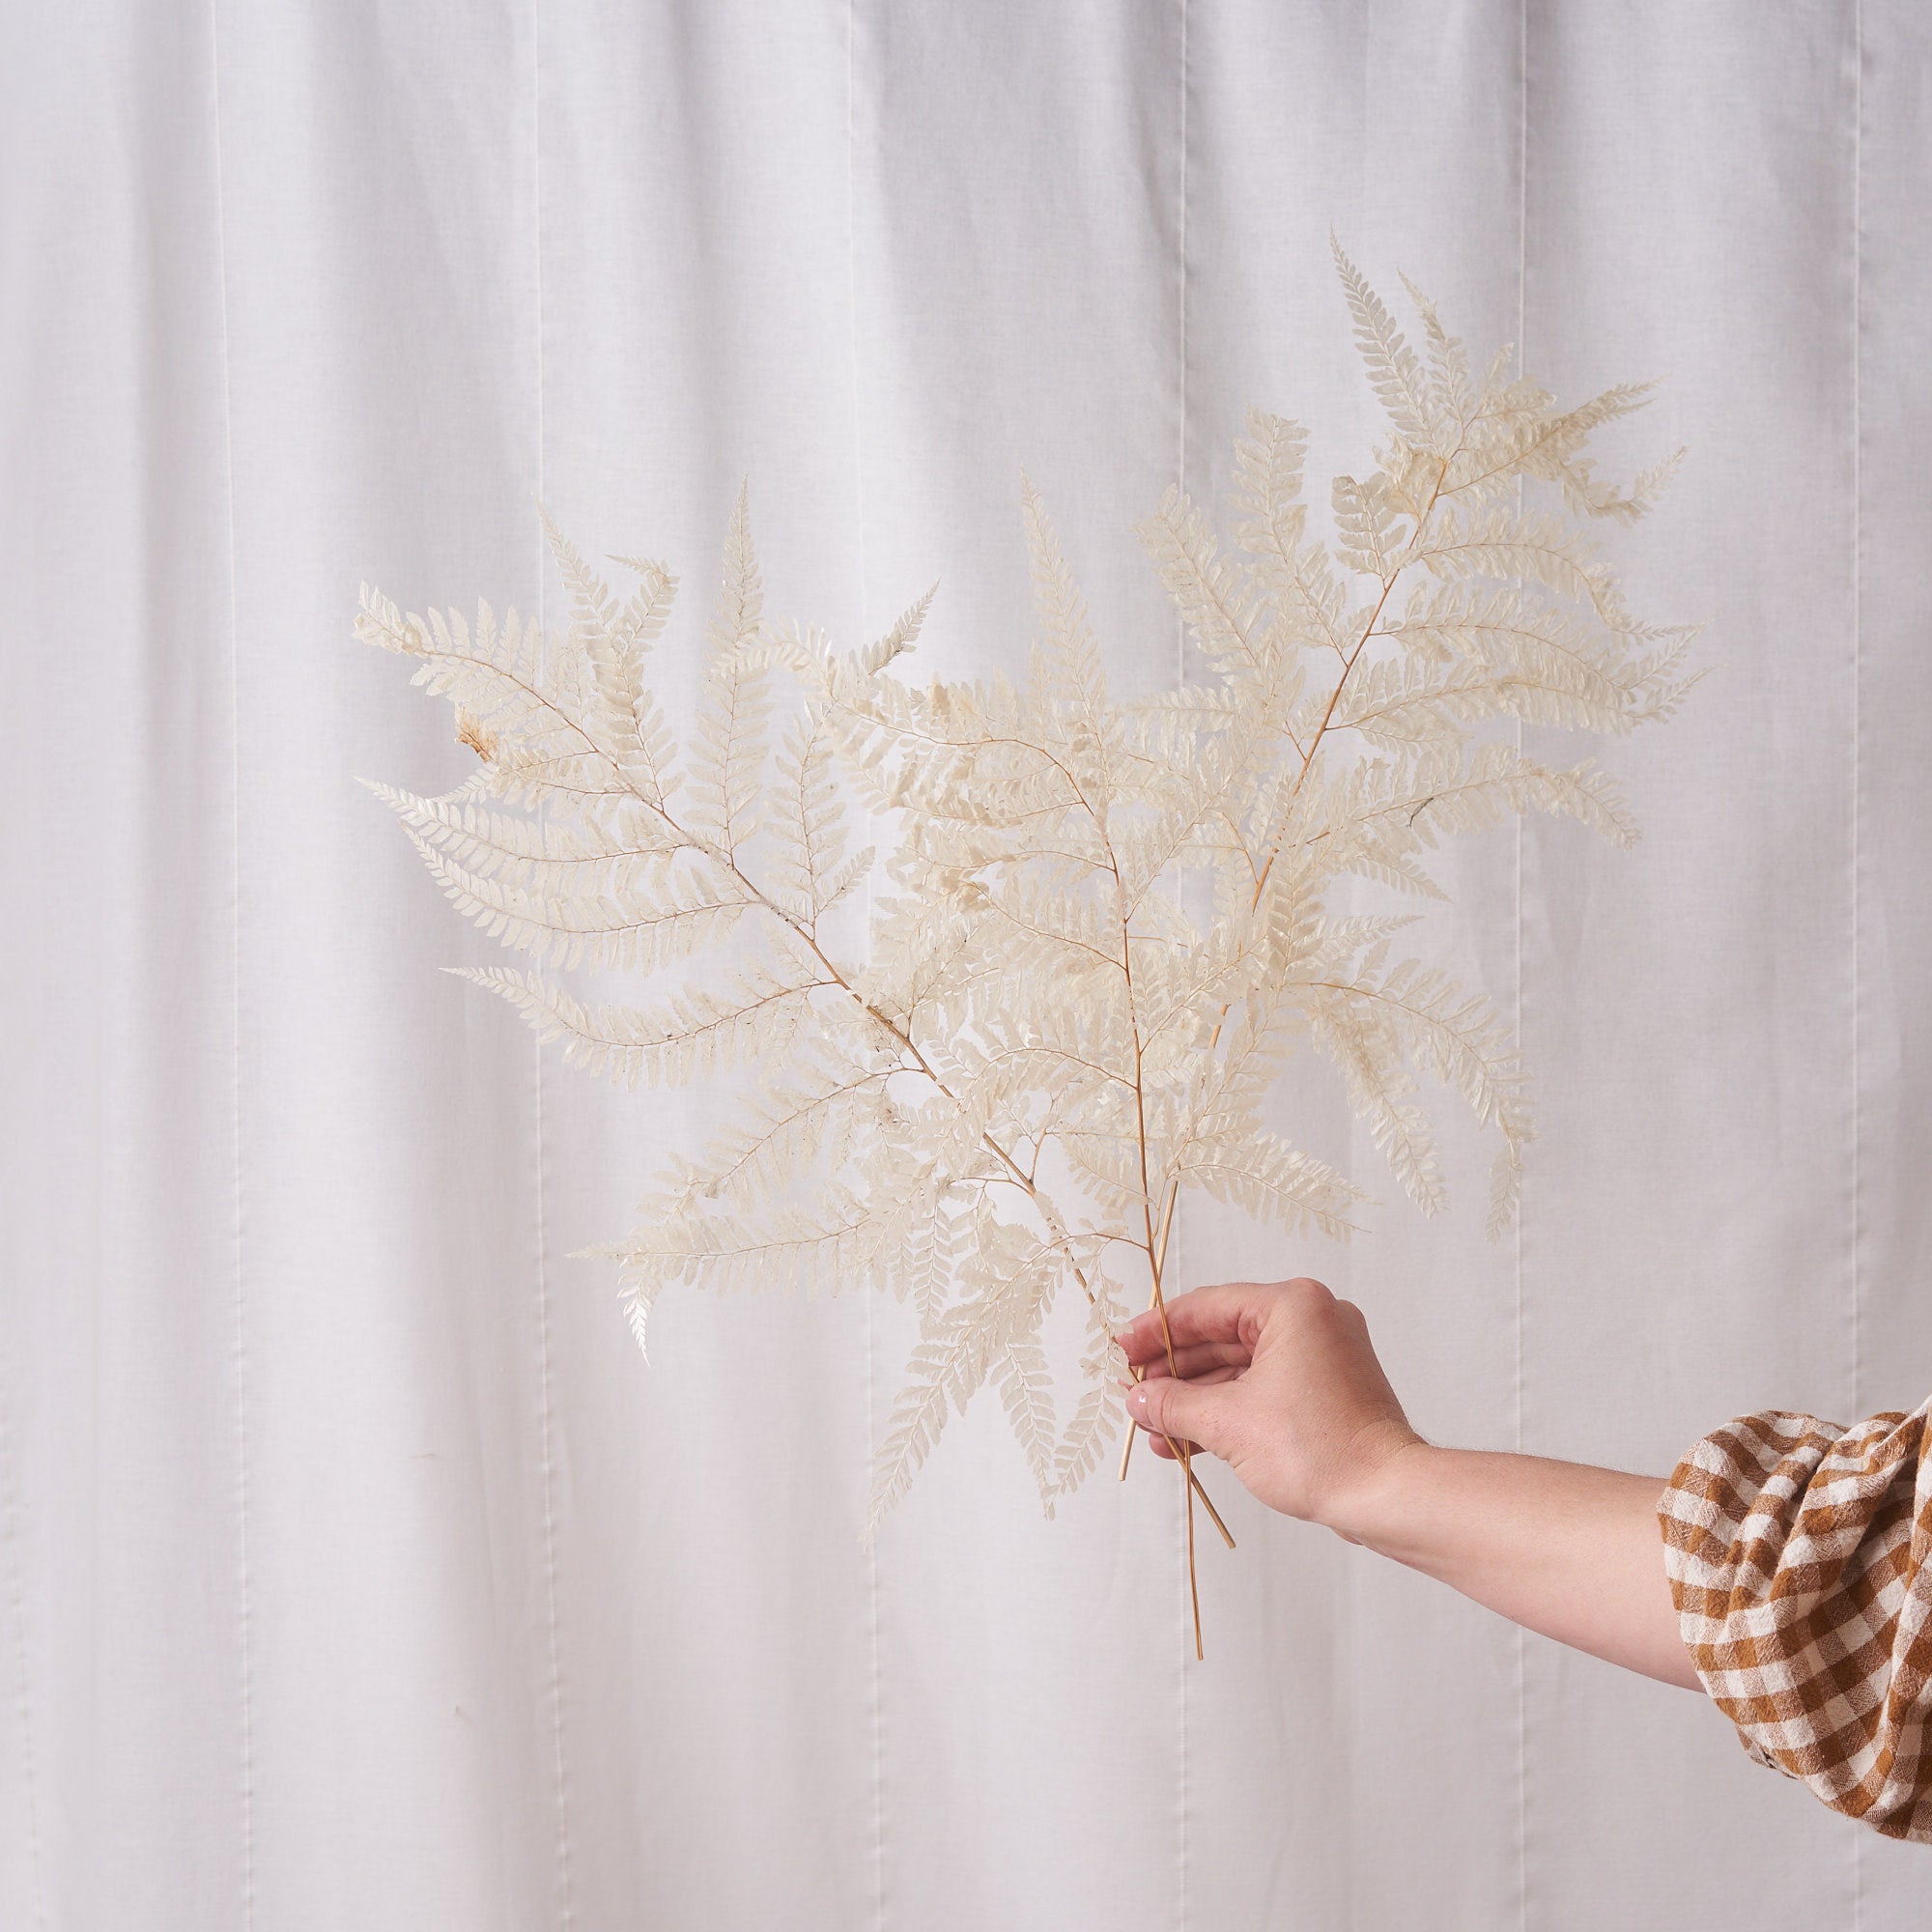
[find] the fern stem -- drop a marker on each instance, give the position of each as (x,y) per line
(1349,663)
(1183,1453)
(1354,657)
(1193,1583)
(1158,1250)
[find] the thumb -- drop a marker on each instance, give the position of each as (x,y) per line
(1187,1411)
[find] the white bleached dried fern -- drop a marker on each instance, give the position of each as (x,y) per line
(996,1102)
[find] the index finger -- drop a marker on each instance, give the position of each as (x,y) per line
(1200,1315)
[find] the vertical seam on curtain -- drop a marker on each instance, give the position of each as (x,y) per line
(1179,677)
(545,1416)
(878,1849)
(1858,619)
(239,1342)
(1858,774)
(1521,1641)
(11,1511)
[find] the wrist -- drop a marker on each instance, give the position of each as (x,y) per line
(1380,1461)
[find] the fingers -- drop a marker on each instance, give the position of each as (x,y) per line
(1213,1362)
(1229,1313)
(1187,1411)
(1204,1315)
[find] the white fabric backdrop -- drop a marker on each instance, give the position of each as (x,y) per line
(354,1569)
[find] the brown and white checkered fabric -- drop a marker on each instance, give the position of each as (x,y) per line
(1800,1557)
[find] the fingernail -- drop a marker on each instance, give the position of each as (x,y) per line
(1137,1396)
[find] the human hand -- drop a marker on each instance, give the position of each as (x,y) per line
(1280,1380)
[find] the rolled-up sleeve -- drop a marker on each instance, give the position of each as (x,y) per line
(1798,1557)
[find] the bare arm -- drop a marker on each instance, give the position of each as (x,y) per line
(1281,1381)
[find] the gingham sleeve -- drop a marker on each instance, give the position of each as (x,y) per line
(1800,1557)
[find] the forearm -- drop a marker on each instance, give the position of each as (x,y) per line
(1281,1381)
(1564,1549)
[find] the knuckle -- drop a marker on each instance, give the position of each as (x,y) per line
(1307,1294)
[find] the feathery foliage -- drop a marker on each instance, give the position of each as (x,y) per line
(991,1105)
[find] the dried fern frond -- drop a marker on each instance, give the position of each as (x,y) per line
(989,1102)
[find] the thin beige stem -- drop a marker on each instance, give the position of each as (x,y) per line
(1194,1480)
(1158,1249)
(1350,661)
(1183,1455)
(1193,1585)
(1207,1503)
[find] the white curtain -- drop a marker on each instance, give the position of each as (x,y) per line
(355,1571)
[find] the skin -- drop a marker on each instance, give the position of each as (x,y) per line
(1280,1380)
